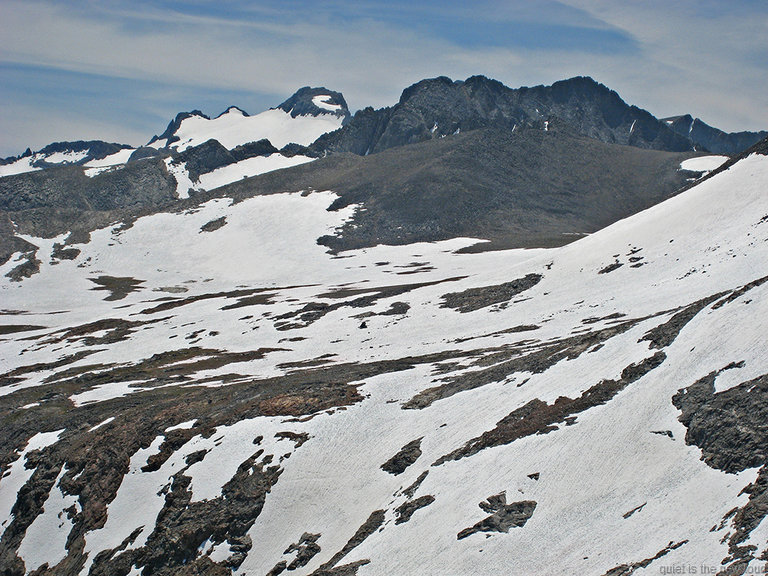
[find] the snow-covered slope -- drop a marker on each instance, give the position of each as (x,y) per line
(90,153)
(234,127)
(299,121)
(212,390)
(18,166)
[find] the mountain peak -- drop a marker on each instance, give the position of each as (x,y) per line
(308,101)
(234,110)
(170,132)
(429,86)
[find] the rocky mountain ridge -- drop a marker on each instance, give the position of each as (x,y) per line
(706,137)
(438,107)
(234,123)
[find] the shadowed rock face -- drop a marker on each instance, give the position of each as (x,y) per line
(705,137)
(66,187)
(211,155)
(728,426)
(439,107)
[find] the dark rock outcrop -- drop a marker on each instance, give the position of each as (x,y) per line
(405,511)
(477,298)
(502,517)
(407,455)
(729,427)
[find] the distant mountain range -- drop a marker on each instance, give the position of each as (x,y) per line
(469,157)
(429,109)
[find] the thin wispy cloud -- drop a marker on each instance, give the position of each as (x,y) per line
(119,66)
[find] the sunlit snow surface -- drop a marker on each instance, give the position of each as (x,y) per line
(322,102)
(249,167)
(234,128)
(19,166)
(120,157)
(703,163)
(66,157)
(46,538)
(585,477)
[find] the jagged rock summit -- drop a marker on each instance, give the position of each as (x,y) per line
(168,137)
(438,107)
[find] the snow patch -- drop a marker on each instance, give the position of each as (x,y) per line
(106,391)
(248,167)
(19,166)
(322,103)
(17,475)
(183,426)
(68,157)
(183,182)
(46,538)
(120,157)
(91,172)
(703,163)
(104,423)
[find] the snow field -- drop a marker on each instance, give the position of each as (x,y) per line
(233,128)
(712,238)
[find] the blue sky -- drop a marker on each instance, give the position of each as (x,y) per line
(119,71)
